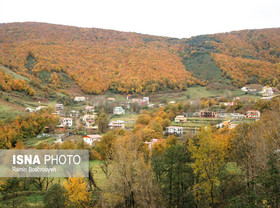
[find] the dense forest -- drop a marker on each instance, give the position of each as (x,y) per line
(100,60)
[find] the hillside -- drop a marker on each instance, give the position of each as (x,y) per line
(99,60)
(96,60)
(248,56)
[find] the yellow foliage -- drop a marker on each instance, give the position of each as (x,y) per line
(77,192)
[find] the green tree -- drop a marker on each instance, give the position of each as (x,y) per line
(175,176)
(55,197)
(103,122)
(270,180)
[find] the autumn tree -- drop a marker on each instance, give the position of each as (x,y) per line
(209,151)
(77,192)
(131,182)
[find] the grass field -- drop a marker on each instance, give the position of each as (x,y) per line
(98,174)
(35,198)
(126,117)
(33,142)
(11,73)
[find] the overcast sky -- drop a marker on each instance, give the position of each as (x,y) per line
(173,18)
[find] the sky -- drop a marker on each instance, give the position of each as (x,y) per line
(172,18)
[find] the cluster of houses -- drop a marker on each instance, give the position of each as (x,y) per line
(88,117)
(266,92)
(32,110)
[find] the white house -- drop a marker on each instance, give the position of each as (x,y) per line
(74,113)
(31,110)
(150,144)
(89,120)
(89,108)
(151,105)
(67,122)
(90,139)
(117,124)
(118,111)
(147,99)
(79,99)
(59,107)
(180,118)
(175,130)
(267,91)
(40,107)
(266,98)
(244,89)
(237,116)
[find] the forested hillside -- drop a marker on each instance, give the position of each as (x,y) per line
(248,56)
(99,60)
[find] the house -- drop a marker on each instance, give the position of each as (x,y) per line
(129,97)
(151,105)
(59,107)
(110,99)
(266,98)
(253,114)
(267,91)
(223,124)
(89,108)
(117,124)
(237,116)
(180,118)
(207,114)
(177,130)
(147,99)
(74,113)
(135,100)
(91,139)
(118,111)
(79,99)
(227,104)
(31,110)
(150,144)
(40,107)
(172,102)
(252,88)
(196,114)
(244,89)
(236,98)
(89,120)
(143,102)
(67,122)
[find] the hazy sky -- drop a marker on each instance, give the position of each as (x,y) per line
(173,18)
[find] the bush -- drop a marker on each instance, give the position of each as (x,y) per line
(55,197)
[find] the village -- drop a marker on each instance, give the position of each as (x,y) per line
(78,121)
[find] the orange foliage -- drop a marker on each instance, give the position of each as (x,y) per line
(97,60)
(241,70)
(244,54)
(23,127)
(8,83)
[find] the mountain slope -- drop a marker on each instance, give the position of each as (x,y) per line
(99,60)
(248,56)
